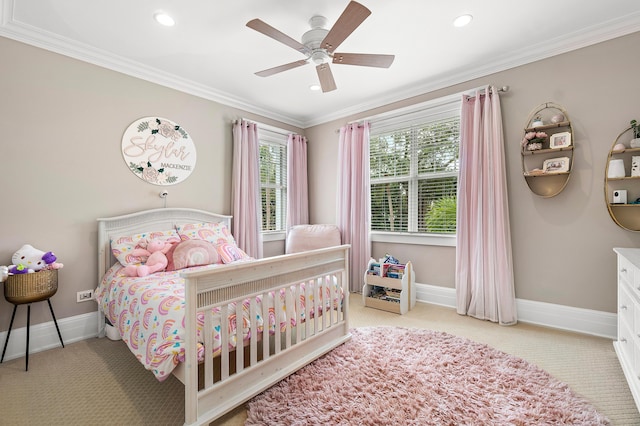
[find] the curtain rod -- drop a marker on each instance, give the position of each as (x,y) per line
(502,89)
(267,127)
(412,108)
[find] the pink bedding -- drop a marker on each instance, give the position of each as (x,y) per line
(149,314)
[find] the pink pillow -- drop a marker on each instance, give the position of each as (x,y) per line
(215,233)
(231,252)
(191,253)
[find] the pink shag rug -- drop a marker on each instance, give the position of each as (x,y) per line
(391,375)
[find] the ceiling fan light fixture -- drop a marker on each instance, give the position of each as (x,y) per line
(164,19)
(319,57)
(462,20)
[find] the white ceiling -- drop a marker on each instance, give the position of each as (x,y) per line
(211,53)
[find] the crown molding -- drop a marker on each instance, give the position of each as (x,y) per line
(586,37)
(19,31)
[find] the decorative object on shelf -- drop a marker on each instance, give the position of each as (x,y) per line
(619,147)
(620,196)
(534,146)
(556,165)
(534,172)
(537,122)
(533,141)
(635,130)
(635,165)
(158,151)
(560,140)
(558,118)
(616,169)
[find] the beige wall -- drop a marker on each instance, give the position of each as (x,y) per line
(562,246)
(62,122)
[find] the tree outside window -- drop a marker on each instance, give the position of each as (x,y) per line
(414,175)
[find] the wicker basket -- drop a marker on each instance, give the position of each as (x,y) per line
(27,288)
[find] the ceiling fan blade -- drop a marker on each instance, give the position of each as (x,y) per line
(326,78)
(269,31)
(351,18)
(276,70)
(363,59)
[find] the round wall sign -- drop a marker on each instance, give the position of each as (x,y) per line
(158,151)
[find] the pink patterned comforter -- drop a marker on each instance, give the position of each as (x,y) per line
(149,314)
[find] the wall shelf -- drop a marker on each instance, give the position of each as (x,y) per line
(544,183)
(547,151)
(627,215)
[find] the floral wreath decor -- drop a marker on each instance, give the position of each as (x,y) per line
(158,151)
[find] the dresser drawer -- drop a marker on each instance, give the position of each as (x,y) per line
(636,365)
(626,343)
(625,271)
(626,308)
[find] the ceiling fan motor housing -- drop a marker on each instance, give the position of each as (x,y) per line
(312,39)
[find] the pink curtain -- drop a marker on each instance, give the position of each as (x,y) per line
(297,185)
(354,207)
(245,191)
(484,268)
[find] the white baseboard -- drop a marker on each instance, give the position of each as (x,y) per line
(44,336)
(587,321)
(73,329)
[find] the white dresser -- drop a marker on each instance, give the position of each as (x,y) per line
(628,344)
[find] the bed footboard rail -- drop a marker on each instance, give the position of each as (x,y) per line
(284,312)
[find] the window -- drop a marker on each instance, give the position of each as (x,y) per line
(273,178)
(414,162)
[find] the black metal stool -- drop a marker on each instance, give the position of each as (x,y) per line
(25,289)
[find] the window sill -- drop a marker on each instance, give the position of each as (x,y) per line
(274,236)
(418,239)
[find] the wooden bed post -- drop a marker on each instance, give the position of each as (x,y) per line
(191,354)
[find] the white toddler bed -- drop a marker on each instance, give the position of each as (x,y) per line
(283,311)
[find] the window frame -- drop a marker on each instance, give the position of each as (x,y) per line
(270,135)
(430,111)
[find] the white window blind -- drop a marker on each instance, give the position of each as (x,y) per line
(273,178)
(414,166)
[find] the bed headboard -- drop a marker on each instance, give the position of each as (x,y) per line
(146,220)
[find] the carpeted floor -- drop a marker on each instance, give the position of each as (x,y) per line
(99,382)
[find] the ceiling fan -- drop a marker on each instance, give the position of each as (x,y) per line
(319,44)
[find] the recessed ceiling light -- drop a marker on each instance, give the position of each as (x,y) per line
(462,20)
(314,87)
(163,19)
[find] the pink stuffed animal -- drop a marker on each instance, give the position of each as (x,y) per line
(157,260)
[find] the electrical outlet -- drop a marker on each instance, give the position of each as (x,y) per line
(84,296)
